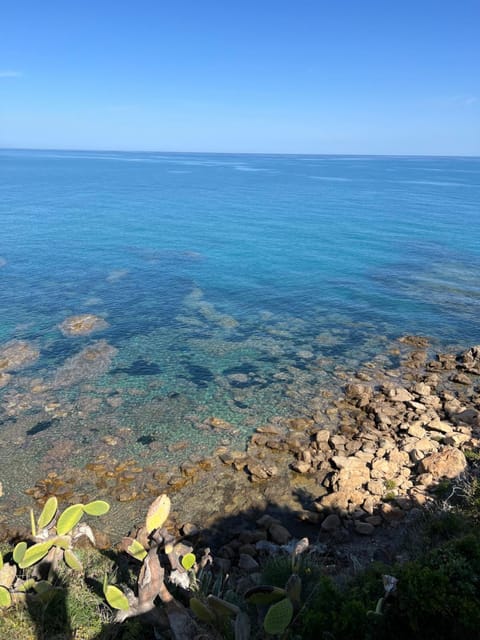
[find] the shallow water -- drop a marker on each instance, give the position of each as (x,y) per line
(238,287)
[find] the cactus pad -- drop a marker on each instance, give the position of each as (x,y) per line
(116,598)
(48,512)
(72,561)
(137,550)
(96,508)
(69,518)
(203,613)
(278,617)
(19,552)
(5,597)
(188,561)
(157,513)
(264,594)
(34,554)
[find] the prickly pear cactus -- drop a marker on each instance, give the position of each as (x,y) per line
(157,513)
(278,617)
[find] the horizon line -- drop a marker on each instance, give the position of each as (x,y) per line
(245,153)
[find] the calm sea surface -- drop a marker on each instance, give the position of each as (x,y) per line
(233,286)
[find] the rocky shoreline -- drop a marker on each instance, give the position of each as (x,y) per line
(358,466)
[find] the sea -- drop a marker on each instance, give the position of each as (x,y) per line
(230,289)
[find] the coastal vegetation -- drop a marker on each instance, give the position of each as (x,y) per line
(165,590)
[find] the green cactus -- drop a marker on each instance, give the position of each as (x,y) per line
(5,597)
(278,617)
(188,561)
(221,607)
(242,626)
(202,611)
(48,513)
(69,519)
(294,589)
(137,550)
(34,554)
(115,597)
(19,551)
(96,508)
(264,594)
(72,561)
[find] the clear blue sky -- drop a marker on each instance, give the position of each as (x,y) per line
(296,76)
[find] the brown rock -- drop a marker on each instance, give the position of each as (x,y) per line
(300,467)
(349,463)
(248,549)
(279,534)
(416,429)
(218,423)
(415,341)
(331,523)
(399,394)
(470,360)
(469,416)
(456,439)
(337,441)
(390,513)
(381,468)
(422,389)
(261,471)
(189,529)
(461,378)
(439,425)
(448,463)
(376,487)
(247,563)
(364,528)
(300,424)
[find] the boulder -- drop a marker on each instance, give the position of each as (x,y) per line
(279,534)
(247,563)
(364,528)
(300,467)
(448,463)
(470,360)
(331,523)
(399,394)
(261,471)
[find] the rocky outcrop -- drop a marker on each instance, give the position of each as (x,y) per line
(17,354)
(392,444)
(85,365)
(82,325)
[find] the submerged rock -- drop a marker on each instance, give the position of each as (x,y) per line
(89,363)
(415,341)
(82,325)
(4,379)
(17,354)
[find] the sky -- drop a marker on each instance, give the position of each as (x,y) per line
(263,76)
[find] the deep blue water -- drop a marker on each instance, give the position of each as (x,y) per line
(233,285)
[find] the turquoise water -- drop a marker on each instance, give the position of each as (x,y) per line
(233,286)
